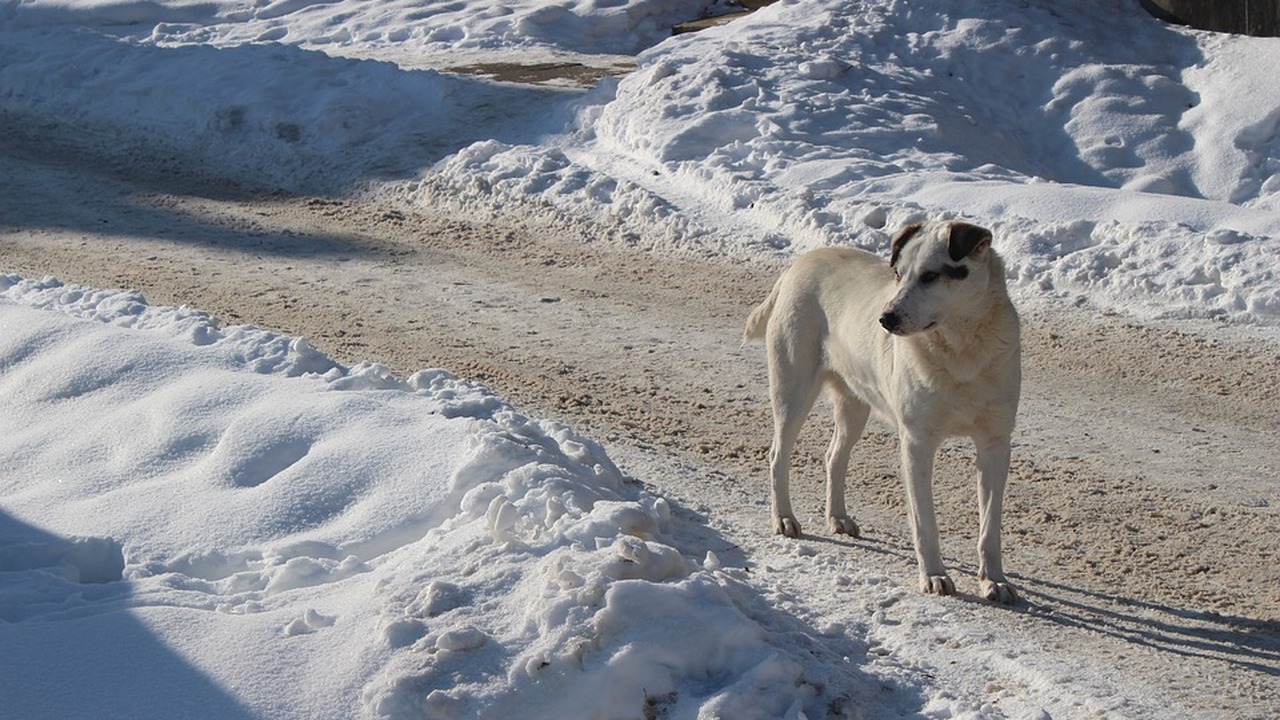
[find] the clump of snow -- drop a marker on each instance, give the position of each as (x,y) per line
(260,350)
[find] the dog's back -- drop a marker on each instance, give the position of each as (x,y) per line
(822,271)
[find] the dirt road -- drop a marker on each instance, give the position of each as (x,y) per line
(1144,510)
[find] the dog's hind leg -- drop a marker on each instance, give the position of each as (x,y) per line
(793,388)
(850,419)
(993,472)
(917,474)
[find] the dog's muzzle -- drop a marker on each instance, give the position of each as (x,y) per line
(891,321)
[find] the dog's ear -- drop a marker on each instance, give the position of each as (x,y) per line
(900,241)
(967,239)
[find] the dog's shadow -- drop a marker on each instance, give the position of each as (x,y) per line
(1246,643)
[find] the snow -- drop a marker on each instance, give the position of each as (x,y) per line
(208,521)
(223,522)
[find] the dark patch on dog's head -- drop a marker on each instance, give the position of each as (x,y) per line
(966,239)
(900,241)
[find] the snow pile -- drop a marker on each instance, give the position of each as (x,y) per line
(1105,149)
(265,115)
(585,26)
(222,522)
(406,27)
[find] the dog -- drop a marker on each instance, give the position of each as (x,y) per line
(930,342)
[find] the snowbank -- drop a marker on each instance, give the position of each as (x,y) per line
(1109,152)
(221,522)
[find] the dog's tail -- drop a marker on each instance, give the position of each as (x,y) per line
(758,321)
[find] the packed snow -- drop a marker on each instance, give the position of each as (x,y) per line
(209,521)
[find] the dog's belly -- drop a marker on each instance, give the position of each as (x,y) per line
(862,371)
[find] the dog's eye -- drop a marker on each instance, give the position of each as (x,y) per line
(956,272)
(929,277)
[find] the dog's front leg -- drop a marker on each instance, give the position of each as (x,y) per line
(993,472)
(917,474)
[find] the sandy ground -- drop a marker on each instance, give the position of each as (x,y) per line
(1143,517)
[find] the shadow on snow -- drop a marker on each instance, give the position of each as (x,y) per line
(72,648)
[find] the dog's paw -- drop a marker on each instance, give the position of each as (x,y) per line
(937,585)
(843,525)
(786,526)
(1000,592)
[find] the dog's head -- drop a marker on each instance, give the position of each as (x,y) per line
(943,270)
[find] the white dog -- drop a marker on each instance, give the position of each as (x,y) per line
(929,341)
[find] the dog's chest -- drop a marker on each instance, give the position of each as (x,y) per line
(960,400)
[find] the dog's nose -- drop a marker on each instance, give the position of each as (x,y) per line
(890,321)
